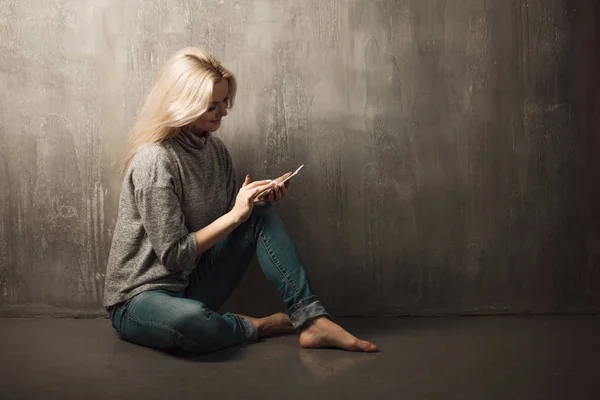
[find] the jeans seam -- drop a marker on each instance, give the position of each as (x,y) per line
(280,268)
(112,322)
(158,324)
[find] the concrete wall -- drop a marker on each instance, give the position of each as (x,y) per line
(451,147)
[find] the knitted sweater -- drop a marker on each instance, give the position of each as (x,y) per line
(170,190)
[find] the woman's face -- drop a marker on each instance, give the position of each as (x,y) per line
(210,121)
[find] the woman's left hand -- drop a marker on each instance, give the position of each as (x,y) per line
(278,191)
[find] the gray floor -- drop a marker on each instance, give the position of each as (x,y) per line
(421,358)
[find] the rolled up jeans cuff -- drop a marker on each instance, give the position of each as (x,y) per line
(250,331)
(306,310)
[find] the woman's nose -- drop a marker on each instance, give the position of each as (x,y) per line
(223,110)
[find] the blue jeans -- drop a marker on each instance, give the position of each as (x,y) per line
(188,321)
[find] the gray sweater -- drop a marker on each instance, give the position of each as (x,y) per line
(170,190)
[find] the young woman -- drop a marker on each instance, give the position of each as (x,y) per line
(185,233)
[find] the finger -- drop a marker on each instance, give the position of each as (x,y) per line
(272,195)
(260,196)
(257,183)
(283,189)
(263,195)
(252,195)
(258,190)
(277,195)
(246,181)
(282,177)
(257,194)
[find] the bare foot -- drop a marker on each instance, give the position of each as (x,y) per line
(323,332)
(275,324)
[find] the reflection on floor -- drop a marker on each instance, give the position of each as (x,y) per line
(551,357)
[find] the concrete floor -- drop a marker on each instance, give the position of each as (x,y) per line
(550,357)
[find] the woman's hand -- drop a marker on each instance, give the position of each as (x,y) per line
(244,202)
(278,191)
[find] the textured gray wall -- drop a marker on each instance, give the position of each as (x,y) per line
(450,146)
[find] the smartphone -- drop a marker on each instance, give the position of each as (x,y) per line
(283,181)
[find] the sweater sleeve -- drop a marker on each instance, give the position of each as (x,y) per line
(160,212)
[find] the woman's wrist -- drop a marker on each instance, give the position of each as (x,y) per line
(208,236)
(234,218)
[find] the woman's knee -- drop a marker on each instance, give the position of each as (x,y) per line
(261,209)
(201,330)
(189,326)
(263,213)
(260,213)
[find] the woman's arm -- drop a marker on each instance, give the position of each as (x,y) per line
(208,236)
(164,223)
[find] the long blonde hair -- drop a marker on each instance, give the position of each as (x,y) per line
(181,93)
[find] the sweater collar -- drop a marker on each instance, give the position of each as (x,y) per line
(186,137)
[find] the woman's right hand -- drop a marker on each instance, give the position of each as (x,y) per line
(244,202)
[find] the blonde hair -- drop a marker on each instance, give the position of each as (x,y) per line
(181,93)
